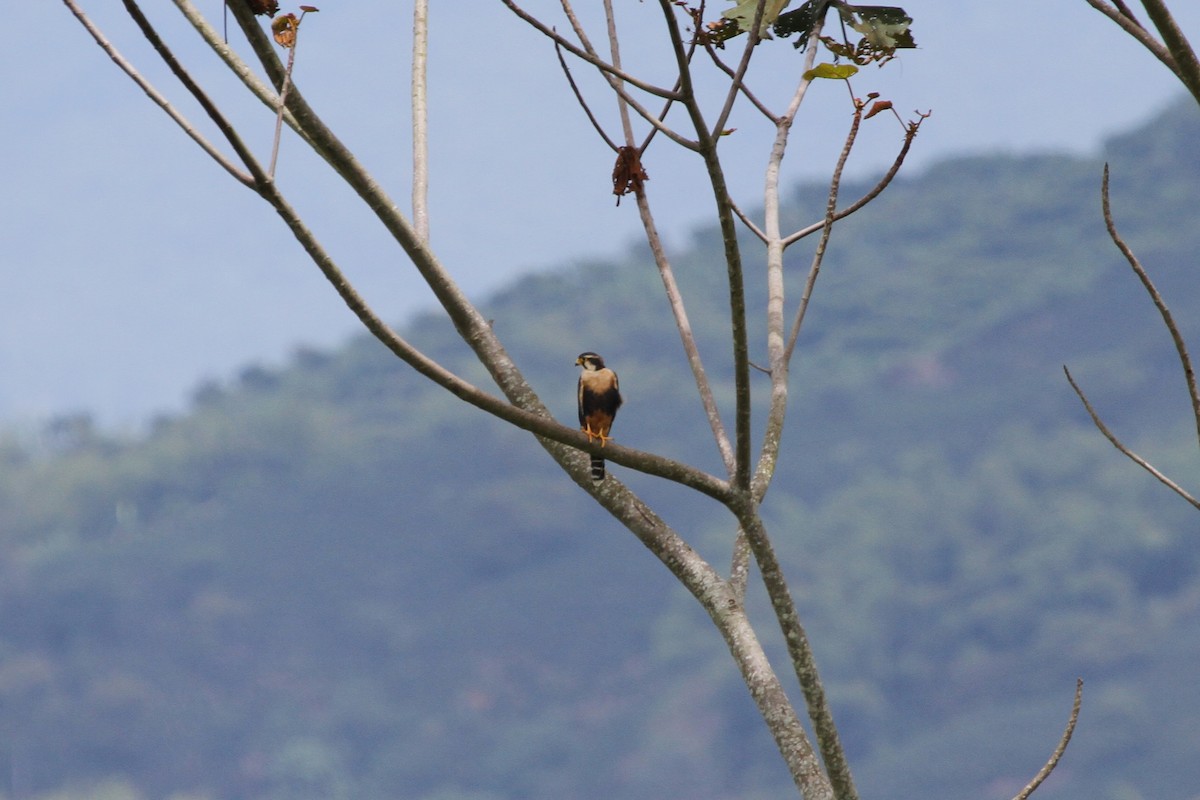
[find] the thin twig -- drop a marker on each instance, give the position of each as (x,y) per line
(749,223)
(670,101)
(220,46)
(1134,457)
(875,191)
(1168,319)
(591,58)
(156,96)
(728,70)
(616,78)
(662,116)
(625,101)
(230,133)
(826,231)
(753,37)
(582,102)
(281,103)
(1045,771)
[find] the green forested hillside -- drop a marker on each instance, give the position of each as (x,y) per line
(329,580)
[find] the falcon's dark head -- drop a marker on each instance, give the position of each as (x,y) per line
(590,361)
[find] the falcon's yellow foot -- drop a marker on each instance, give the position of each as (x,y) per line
(593,435)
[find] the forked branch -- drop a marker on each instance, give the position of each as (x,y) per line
(910,133)
(800,654)
(1174,51)
(1119,14)
(1180,349)
(155,96)
(1168,319)
(1187,66)
(591,58)
(826,230)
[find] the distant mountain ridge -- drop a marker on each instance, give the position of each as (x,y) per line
(332,580)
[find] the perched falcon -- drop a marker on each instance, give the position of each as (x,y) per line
(599,399)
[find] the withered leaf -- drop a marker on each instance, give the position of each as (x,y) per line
(260,7)
(284,29)
(628,174)
(880,105)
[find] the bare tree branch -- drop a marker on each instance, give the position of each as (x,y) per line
(1131,26)
(826,230)
(728,70)
(773,704)
(564,444)
(281,103)
(670,101)
(733,257)
(1187,67)
(749,223)
(616,82)
(1045,771)
(736,84)
(591,58)
(1141,462)
(582,101)
(909,134)
(1185,360)
(156,96)
(420,118)
(262,91)
(800,652)
(776,348)
(1127,12)
(684,326)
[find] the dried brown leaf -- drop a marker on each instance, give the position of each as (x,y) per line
(881,105)
(284,29)
(628,174)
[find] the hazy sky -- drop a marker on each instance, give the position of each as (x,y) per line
(133,267)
